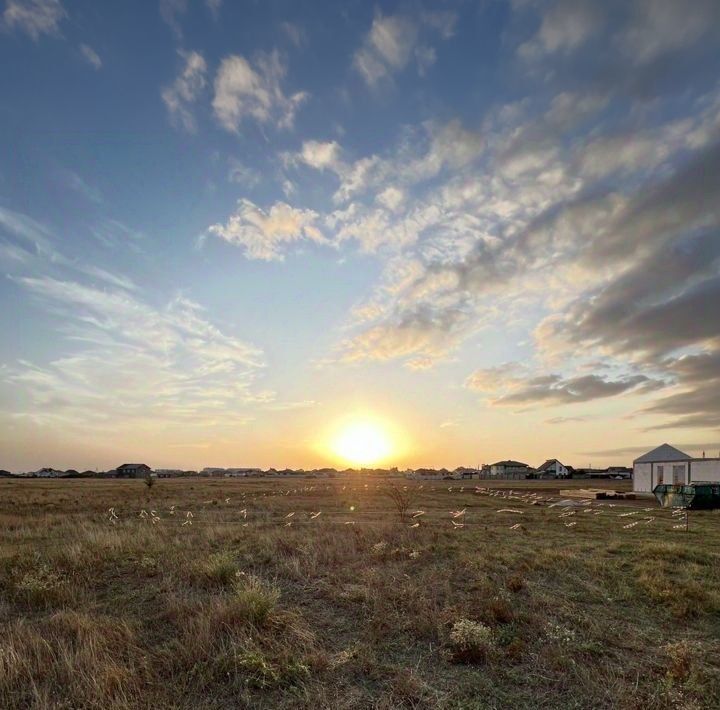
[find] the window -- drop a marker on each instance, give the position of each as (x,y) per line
(660,473)
(679,475)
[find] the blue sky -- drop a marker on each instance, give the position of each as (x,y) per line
(228,228)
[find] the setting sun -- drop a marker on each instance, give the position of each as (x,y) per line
(362,443)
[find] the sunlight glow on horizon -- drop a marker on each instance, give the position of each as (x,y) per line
(362,442)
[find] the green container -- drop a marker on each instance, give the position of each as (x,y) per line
(696,496)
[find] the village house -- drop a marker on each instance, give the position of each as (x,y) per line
(47,473)
(429,474)
(131,470)
(510,469)
(242,472)
(666,464)
(552,468)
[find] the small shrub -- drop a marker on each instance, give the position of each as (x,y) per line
(220,569)
(260,672)
(515,650)
(379,548)
(516,583)
(39,585)
(470,642)
(500,610)
(401,498)
(681,656)
(263,672)
(560,634)
(407,689)
(255,599)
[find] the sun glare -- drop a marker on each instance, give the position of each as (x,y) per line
(362,443)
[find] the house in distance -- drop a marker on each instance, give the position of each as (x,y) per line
(510,468)
(132,470)
(666,464)
(552,468)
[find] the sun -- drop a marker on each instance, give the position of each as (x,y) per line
(362,443)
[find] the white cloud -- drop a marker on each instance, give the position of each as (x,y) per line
(75,182)
(422,156)
(295,33)
(659,26)
(482,211)
(35,17)
(242,174)
(214,7)
(245,91)
(391,198)
(393,41)
(170,11)
(91,56)
(425,58)
(387,47)
(263,234)
(134,363)
(321,155)
(565,26)
(185,90)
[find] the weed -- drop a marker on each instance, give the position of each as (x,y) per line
(470,642)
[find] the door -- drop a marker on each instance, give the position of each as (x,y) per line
(679,475)
(660,475)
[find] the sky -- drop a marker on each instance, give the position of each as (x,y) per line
(230,230)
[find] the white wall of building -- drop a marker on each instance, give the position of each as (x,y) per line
(648,475)
(705,470)
(642,482)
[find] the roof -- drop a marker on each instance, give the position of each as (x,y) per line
(548,464)
(134,465)
(510,462)
(665,452)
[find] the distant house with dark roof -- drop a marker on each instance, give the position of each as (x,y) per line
(510,468)
(552,468)
(132,470)
(465,472)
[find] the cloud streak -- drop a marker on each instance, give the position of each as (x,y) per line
(34,17)
(185,90)
(134,363)
(245,90)
(263,234)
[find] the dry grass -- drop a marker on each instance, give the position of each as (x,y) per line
(255,600)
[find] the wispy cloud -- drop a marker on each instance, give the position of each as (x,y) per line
(263,234)
(214,7)
(91,56)
(75,182)
(395,40)
(171,11)
(244,90)
(34,17)
(133,362)
(528,389)
(185,90)
(565,25)
(294,33)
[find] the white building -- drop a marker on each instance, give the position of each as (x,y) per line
(552,468)
(510,468)
(47,473)
(666,464)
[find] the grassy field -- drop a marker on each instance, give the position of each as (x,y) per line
(232,593)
